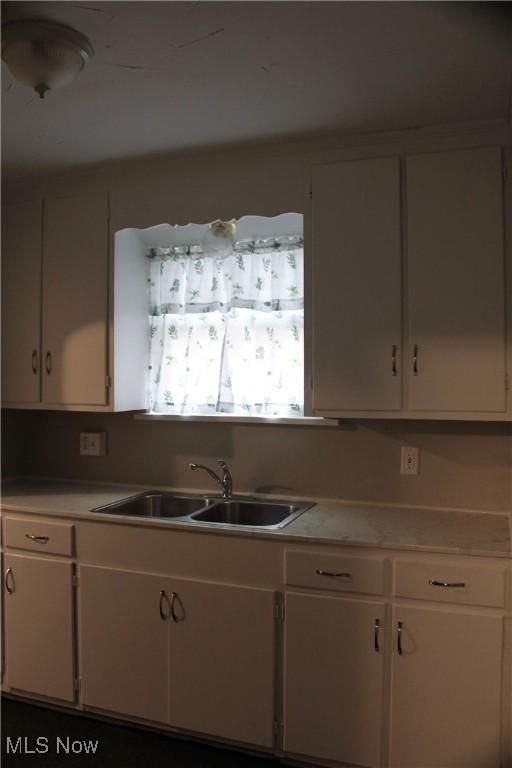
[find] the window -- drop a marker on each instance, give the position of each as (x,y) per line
(227,333)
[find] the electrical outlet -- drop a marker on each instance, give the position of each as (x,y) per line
(409,461)
(93,444)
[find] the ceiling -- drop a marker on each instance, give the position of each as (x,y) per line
(179,76)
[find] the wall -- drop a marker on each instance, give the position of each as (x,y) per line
(462,465)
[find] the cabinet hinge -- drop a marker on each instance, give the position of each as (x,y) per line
(75,580)
(108,382)
(78,684)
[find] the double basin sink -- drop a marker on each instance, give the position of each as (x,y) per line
(215,511)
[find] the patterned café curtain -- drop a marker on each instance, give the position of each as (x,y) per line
(227,335)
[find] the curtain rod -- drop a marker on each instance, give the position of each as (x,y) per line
(269,243)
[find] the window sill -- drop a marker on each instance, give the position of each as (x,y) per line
(226,418)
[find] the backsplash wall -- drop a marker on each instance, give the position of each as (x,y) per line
(461,464)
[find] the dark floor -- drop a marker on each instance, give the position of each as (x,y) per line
(117,744)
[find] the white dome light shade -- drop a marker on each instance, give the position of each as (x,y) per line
(44,55)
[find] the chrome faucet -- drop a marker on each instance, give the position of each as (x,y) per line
(225,483)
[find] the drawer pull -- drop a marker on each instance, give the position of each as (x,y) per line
(163,596)
(38,539)
(399,630)
(9,581)
(459,584)
(340,576)
(376,635)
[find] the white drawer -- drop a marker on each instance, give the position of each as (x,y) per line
(38,535)
(339,573)
(450,583)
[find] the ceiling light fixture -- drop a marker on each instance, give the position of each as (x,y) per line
(43,54)
(219,238)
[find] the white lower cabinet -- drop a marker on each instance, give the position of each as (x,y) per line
(222,661)
(384,664)
(334,678)
(39,637)
(193,654)
(124,656)
(446,689)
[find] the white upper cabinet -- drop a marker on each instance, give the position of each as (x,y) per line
(74,312)
(21,302)
(456,287)
(75,298)
(446,300)
(356,285)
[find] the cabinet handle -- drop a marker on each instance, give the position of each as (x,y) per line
(48,362)
(376,635)
(174,616)
(415,360)
(9,582)
(399,637)
(446,583)
(330,574)
(39,539)
(34,361)
(393,360)
(163,596)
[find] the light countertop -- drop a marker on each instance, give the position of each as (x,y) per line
(328,522)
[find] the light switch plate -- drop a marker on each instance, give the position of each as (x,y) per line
(409,460)
(93,444)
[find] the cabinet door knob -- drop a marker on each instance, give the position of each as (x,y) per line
(9,581)
(34,361)
(48,362)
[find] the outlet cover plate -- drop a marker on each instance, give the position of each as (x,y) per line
(93,444)
(409,460)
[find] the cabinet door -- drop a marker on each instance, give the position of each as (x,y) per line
(21,303)
(456,281)
(222,661)
(39,649)
(356,285)
(333,679)
(124,643)
(75,293)
(446,690)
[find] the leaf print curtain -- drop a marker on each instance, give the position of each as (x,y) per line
(227,335)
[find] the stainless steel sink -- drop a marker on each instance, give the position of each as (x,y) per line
(261,514)
(155,504)
(213,511)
